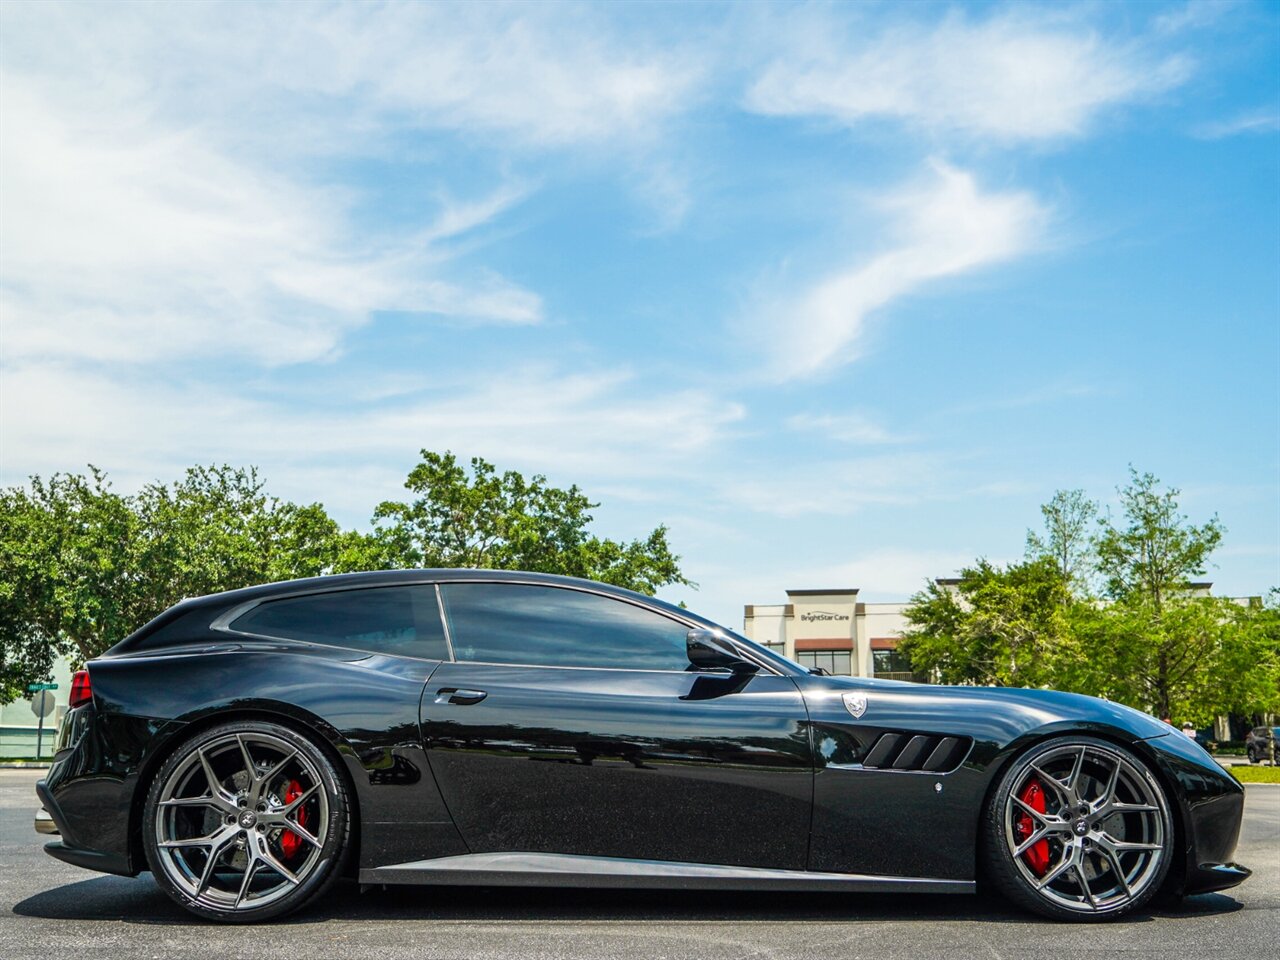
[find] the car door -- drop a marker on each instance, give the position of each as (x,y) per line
(571,721)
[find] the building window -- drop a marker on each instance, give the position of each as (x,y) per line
(838,662)
(780,648)
(891,665)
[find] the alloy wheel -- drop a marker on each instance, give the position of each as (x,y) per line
(1086,828)
(241,821)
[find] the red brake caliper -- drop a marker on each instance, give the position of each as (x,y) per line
(1037,855)
(290,841)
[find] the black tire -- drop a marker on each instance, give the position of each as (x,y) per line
(206,815)
(1252,758)
(1073,866)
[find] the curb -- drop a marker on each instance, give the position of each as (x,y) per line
(25,765)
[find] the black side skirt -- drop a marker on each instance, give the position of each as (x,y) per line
(564,870)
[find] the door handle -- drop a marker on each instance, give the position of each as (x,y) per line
(460,697)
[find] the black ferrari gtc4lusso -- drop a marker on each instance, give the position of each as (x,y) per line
(479,727)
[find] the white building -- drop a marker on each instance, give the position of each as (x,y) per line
(832,630)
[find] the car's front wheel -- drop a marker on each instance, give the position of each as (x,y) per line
(246,821)
(1078,829)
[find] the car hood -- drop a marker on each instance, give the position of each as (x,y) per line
(1051,705)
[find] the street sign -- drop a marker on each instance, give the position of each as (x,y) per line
(42,704)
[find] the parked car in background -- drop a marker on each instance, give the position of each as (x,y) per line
(1260,744)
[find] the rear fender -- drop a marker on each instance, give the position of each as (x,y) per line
(363,708)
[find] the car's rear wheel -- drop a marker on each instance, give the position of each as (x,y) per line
(1079,829)
(246,821)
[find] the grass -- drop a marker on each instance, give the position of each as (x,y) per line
(1256,774)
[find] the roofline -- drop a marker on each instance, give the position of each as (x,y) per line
(418,575)
(377,578)
(842,592)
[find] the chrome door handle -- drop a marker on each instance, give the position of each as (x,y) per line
(460,697)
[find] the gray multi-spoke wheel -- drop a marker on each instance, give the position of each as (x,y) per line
(245,821)
(1079,829)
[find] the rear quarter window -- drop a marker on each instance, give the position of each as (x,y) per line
(400,620)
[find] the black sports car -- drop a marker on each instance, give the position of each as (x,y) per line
(478,727)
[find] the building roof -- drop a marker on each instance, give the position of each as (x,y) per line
(841,592)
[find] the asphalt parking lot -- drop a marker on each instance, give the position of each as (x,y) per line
(50,909)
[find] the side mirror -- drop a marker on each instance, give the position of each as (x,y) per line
(709,651)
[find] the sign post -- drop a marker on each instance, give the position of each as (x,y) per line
(42,705)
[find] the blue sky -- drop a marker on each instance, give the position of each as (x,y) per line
(839,293)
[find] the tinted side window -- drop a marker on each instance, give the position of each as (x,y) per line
(398,620)
(550,626)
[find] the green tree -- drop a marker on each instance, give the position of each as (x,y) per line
(1157,645)
(81,566)
(1151,556)
(65,575)
(1000,626)
(1251,656)
(218,529)
(1185,663)
(480,518)
(1152,643)
(1068,537)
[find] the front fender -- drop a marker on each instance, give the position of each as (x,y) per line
(1210,808)
(881,820)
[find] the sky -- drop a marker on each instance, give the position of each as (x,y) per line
(838,293)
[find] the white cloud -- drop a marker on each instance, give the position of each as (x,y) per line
(944,227)
(124,240)
(846,427)
(161,196)
(836,487)
(580,426)
(336,75)
(1193,15)
(544,74)
(1266,120)
(1011,77)
(1005,396)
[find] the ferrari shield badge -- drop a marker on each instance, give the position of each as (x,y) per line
(856,704)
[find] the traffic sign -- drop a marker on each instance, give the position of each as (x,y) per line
(42,705)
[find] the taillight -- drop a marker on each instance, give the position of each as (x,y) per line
(81,691)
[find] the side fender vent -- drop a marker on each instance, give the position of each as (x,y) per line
(921,752)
